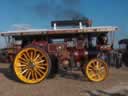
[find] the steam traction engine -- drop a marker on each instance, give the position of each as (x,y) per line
(37,53)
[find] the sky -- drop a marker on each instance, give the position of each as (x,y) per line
(39,13)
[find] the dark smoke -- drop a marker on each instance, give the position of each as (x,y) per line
(68,14)
(59,9)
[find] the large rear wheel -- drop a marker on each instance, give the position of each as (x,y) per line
(31,65)
(96,70)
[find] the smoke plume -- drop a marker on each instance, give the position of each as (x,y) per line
(59,9)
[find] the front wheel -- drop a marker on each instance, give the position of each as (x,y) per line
(96,70)
(31,65)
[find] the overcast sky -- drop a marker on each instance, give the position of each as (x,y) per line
(39,13)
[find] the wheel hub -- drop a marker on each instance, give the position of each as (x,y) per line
(31,65)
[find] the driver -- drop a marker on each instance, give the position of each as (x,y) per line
(81,41)
(102,39)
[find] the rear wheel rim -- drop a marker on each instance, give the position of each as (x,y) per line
(31,65)
(96,70)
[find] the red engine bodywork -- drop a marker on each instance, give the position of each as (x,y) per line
(79,54)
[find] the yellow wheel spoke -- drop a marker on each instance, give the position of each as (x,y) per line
(97,76)
(100,75)
(31,55)
(28,54)
(29,74)
(102,69)
(41,67)
(26,63)
(23,62)
(21,66)
(39,74)
(36,77)
(22,59)
(34,54)
(37,56)
(97,64)
(33,77)
(93,75)
(41,71)
(26,74)
(91,72)
(91,67)
(102,72)
(24,71)
(41,61)
(94,63)
(45,65)
(25,57)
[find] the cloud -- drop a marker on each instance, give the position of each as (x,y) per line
(20,27)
